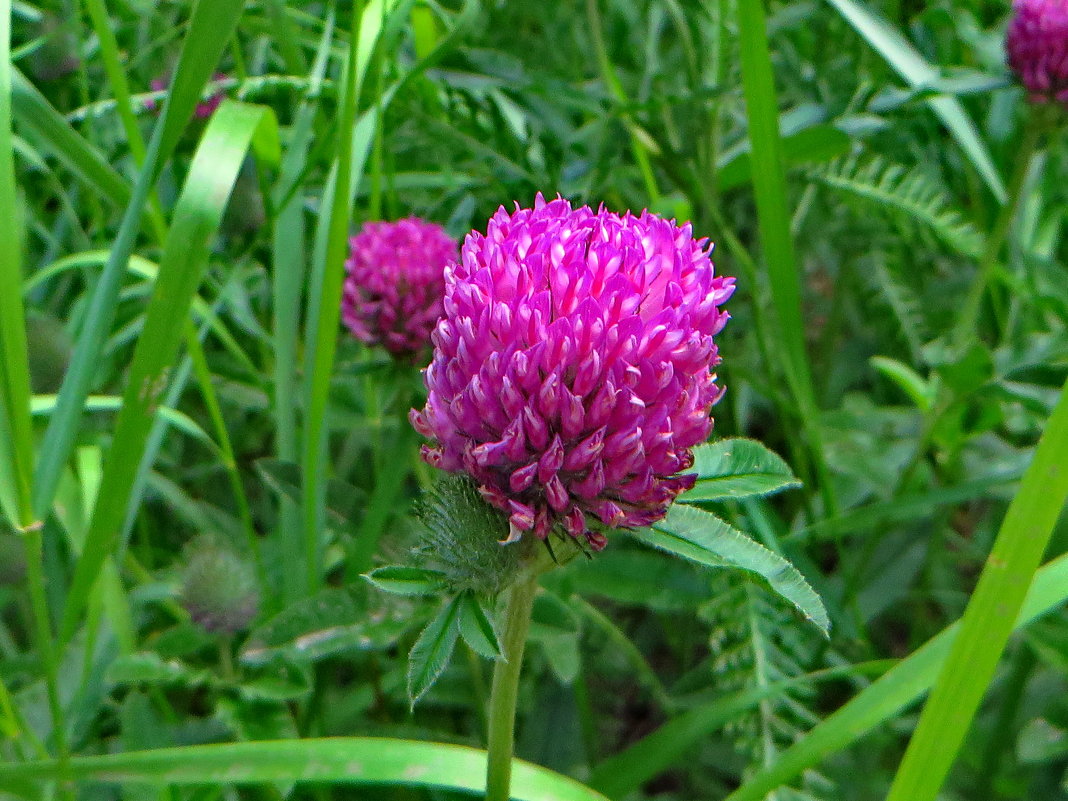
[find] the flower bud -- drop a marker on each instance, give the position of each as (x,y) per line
(218,588)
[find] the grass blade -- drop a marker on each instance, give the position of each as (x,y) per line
(324,300)
(14,355)
(15,392)
(348,760)
(232,131)
(210,29)
(35,113)
(773,214)
(886,697)
(288,278)
(988,621)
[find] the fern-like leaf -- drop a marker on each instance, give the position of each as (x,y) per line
(908,193)
(904,304)
(755,643)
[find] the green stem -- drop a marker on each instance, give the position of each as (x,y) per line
(43,633)
(968,323)
(518,604)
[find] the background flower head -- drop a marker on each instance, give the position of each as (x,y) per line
(572,371)
(395,284)
(205,108)
(1037,45)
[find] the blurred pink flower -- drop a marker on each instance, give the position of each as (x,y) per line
(572,371)
(204,109)
(395,284)
(1037,45)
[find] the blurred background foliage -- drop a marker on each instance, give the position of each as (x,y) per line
(899,129)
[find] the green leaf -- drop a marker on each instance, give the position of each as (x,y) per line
(401,580)
(333,621)
(335,760)
(737,468)
(282,681)
(910,193)
(920,392)
(229,136)
(555,627)
(988,620)
(149,668)
(431,653)
(907,61)
(902,685)
(209,31)
(550,614)
(477,627)
(706,539)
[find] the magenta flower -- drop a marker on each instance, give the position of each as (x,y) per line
(395,284)
(1037,45)
(204,109)
(572,370)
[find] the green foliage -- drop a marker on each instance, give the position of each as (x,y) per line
(894,214)
(893,188)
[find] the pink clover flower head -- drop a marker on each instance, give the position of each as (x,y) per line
(204,109)
(1037,46)
(395,284)
(572,370)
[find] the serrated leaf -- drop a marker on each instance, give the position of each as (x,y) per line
(401,580)
(706,539)
(149,668)
(431,653)
(329,622)
(737,468)
(477,627)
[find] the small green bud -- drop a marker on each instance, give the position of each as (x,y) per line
(219,587)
